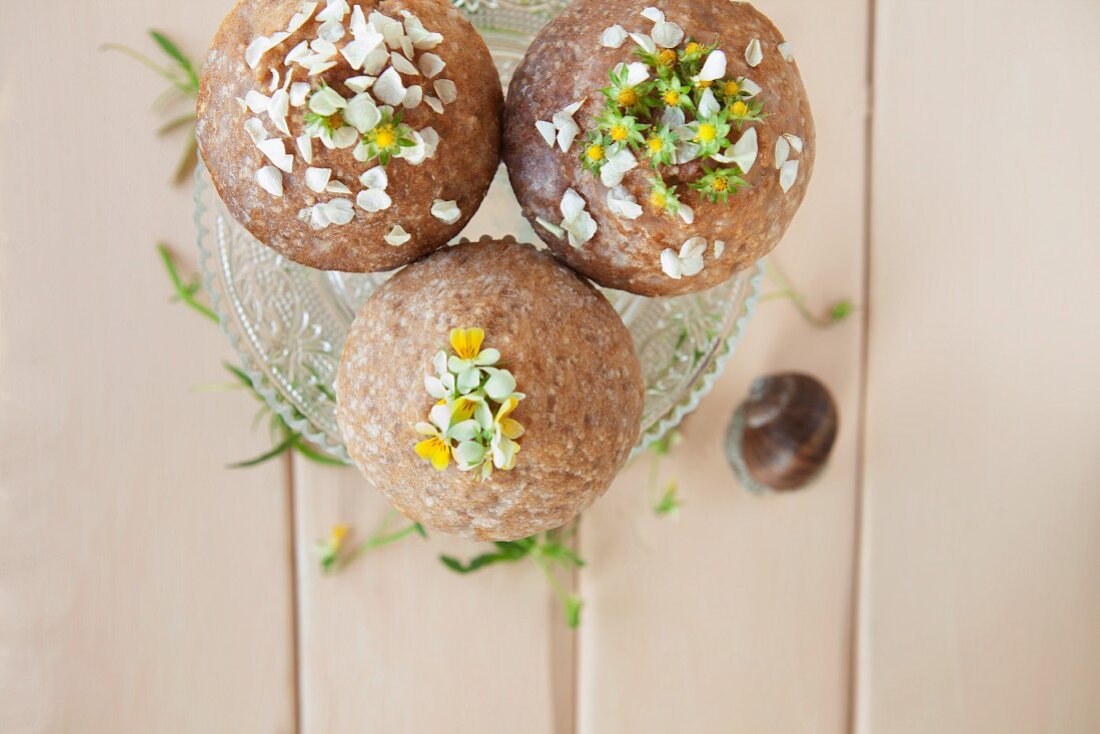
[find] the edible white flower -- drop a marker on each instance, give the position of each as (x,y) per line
(317,178)
(345,137)
(578,223)
(787,175)
(615,167)
(337,187)
(686,213)
(674,118)
(260,46)
(446,211)
(754,54)
(794,140)
(636,72)
(326,101)
(361,113)
(270,180)
(785,51)
(337,211)
(296,54)
(335,10)
(422,149)
(708,104)
(397,236)
(275,150)
(422,39)
(667,35)
(446,90)
(613,36)
(566,127)
(431,64)
(389,88)
(714,67)
(688,262)
(622,203)
(274,80)
(501,383)
(375,178)
(434,103)
(374,197)
(256,102)
(376,61)
(782,151)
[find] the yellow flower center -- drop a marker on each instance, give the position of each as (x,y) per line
(731,88)
(658,199)
(335,121)
(655,145)
(628,97)
(337,534)
(703,83)
(693,48)
(672,98)
(719,184)
(594,152)
(706,133)
(667,57)
(740,109)
(619,133)
(384,136)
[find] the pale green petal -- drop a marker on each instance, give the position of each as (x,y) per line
(465,431)
(469,454)
(500,385)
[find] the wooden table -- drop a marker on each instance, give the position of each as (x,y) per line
(944,576)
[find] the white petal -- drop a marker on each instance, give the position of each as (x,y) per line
(622,203)
(430,65)
(417,153)
(446,211)
(550,227)
(413,97)
(331,30)
(693,246)
(397,236)
(434,103)
(670,264)
(358,23)
(744,151)
(298,93)
(274,81)
(794,140)
(275,150)
(403,65)
(362,113)
(547,131)
(580,228)
(317,178)
(500,384)
(254,126)
(345,137)
(749,87)
(787,175)
(782,151)
(708,104)
(257,102)
(691,265)
(270,180)
(357,51)
(305,147)
(278,110)
(256,50)
(714,67)
(431,141)
(325,101)
(571,204)
(373,200)
(754,54)
(785,51)
(389,89)
(446,91)
(339,211)
(337,187)
(613,36)
(645,42)
(653,14)
(719,248)
(673,117)
(324,49)
(321,68)
(686,213)
(375,178)
(426,40)
(316,215)
(359,84)
(376,61)
(667,35)
(299,19)
(567,133)
(335,10)
(297,53)
(636,73)
(570,110)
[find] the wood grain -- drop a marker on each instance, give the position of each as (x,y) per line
(143,587)
(982,588)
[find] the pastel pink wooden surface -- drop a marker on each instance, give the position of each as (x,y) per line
(942,576)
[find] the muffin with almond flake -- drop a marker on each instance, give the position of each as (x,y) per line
(659,150)
(350,135)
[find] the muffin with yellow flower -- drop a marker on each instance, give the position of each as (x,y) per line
(659,150)
(489,392)
(353,135)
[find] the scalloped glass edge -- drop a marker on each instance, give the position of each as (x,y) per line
(707,374)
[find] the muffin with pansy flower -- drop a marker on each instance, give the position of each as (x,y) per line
(489,392)
(659,150)
(353,135)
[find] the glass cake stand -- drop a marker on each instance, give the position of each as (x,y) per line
(288,322)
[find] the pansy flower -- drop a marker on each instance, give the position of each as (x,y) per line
(469,358)
(436,448)
(505,432)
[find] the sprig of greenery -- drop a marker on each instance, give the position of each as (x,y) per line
(836,313)
(183,79)
(666,504)
(549,551)
(330,552)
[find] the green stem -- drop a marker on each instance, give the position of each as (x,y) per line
(183,291)
(148,62)
(788,291)
(377,539)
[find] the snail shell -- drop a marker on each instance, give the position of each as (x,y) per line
(781,437)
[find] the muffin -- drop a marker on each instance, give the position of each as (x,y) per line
(489,392)
(659,151)
(350,134)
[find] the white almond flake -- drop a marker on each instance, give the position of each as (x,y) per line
(270,180)
(397,236)
(431,64)
(403,65)
(407,47)
(446,211)
(254,126)
(446,90)
(257,102)
(358,24)
(299,19)
(376,61)
(331,30)
(324,49)
(298,93)
(653,14)
(256,50)
(550,227)
(547,131)
(389,89)
(321,68)
(719,248)
(744,151)
(708,104)
(375,178)
(305,147)
(337,187)
(794,140)
(274,80)
(359,83)
(434,103)
(278,110)
(686,213)
(393,34)
(645,42)
(361,113)
(336,10)
(373,200)
(782,151)
(787,175)
(339,211)
(317,178)
(275,150)
(297,53)
(754,54)
(667,35)
(785,51)
(578,223)
(749,87)
(622,203)
(714,67)
(613,36)
(413,96)
(358,50)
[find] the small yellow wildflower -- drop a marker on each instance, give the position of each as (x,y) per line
(594,152)
(435,450)
(628,97)
(693,48)
(706,133)
(467,342)
(672,98)
(667,57)
(619,133)
(337,534)
(655,145)
(384,136)
(740,109)
(719,184)
(703,83)
(731,88)
(658,199)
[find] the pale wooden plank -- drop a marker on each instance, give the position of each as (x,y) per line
(982,589)
(736,618)
(145,588)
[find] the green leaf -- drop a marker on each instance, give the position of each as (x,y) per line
(185,292)
(573,606)
(841,310)
(286,445)
(454,564)
(420,530)
(176,55)
(303,447)
(669,504)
